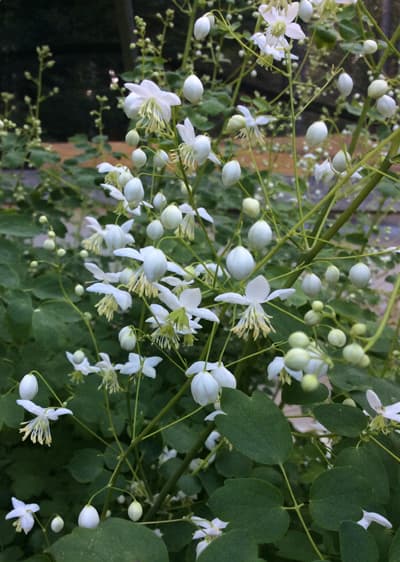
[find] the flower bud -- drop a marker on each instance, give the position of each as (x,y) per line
(139,158)
(260,235)
(332,274)
(235,123)
(353,353)
(57,524)
(386,106)
(358,329)
(377,88)
(155,230)
(61,252)
(359,275)
(193,88)
(159,201)
(161,159)
(84,254)
(88,517)
(28,387)
(317,306)
(311,285)
(240,263)
(205,388)
(43,219)
(312,318)
(132,138)
(135,511)
(123,178)
(251,207)
(316,133)
(202,27)
(49,244)
(127,338)
(125,275)
(134,191)
(369,47)
(337,338)
(78,356)
(365,361)
(306,10)
(349,402)
(231,173)
(298,339)
(309,382)
(296,358)
(345,84)
(340,161)
(79,290)
(201,148)
(171,217)
(155,264)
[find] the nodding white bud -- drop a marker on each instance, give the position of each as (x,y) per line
(134,191)
(57,524)
(240,263)
(132,138)
(353,353)
(49,244)
(135,511)
(378,88)
(345,84)
(235,123)
(260,235)
(78,356)
(161,159)
(311,285)
(155,230)
(201,148)
(155,264)
(123,178)
(312,318)
(316,133)
(171,217)
(337,337)
(386,106)
(359,275)
(306,10)
(79,290)
(159,201)
(340,161)
(309,382)
(332,274)
(28,387)
(365,361)
(127,338)
(296,358)
(125,275)
(317,306)
(205,388)
(299,339)
(370,47)
(251,207)
(231,173)
(349,402)
(202,27)
(358,329)
(193,89)
(139,158)
(88,517)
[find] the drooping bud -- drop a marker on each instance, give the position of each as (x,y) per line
(79,290)
(358,329)
(235,123)
(370,47)
(378,88)
(317,306)
(155,264)
(134,191)
(201,148)
(345,84)
(340,161)
(309,382)
(159,201)
(161,159)
(57,524)
(260,235)
(135,511)
(28,387)
(240,263)
(298,339)
(205,388)
(296,358)
(353,353)
(202,27)
(316,133)
(332,274)
(193,89)
(155,230)
(78,356)
(312,318)
(386,106)
(311,285)
(88,517)
(337,337)
(132,138)
(231,173)
(251,207)
(171,217)
(306,10)
(139,158)
(359,275)
(127,338)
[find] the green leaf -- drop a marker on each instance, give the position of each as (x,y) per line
(11,414)
(181,437)
(19,314)
(394,552)
(8,277)
(294,394)
(232,546)
(341,419)
(356,544)
(255,426)
(86,465)
(252,505)
(296,546)
(337,495)
(233,464)
(18,225)
(115,540)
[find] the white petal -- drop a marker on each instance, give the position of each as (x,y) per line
(233,298)
(281,293)
(195,368)
(275,367)
(190,298)
(31,407)
(294,31)
(373,400)
(129,253)
(257,290)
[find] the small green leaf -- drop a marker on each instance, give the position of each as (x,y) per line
(296,546)
(356,544)
(231,546)
(86,465)
(252,505)
(255,426)
(19,314)
(341,419)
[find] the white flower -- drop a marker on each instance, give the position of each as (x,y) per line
(114,236)
(195,149)
(169,326)
(114,298)
(39,428)
(129,206)
(391,412)
(186,227)
(187,302)
(372,517)
(251,130)
(324,173)
(23,512)
(136,364)
(100,275)
(151,104)
(207,531)
(83,366)
(88,517)
(108,374)
(254,319)
(166,455)
(208,380)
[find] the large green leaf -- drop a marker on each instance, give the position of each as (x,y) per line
(341,419)
(255,426)
(232,546)
(252,505)
(11,414)
(296,546)
(356,544)
(86,464)
(8,277)
(338,495)
(394,552)
(115,540)
(13,224)
(19,314)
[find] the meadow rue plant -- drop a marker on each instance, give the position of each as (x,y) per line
(212,328)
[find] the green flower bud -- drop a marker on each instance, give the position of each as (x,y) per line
(309,382)
(353,353)
(312,318)
(337,338)
(296,358)
(299,339)
(135,511)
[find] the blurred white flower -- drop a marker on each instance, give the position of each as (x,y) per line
(138,364)
(23,512)
(207,531)
(39,427)
(195,149)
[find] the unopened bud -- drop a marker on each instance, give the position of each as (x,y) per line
(132,138)
(386,106)
(135,511)
(155,230)
(171,217)
(88,517)
(49,244)
(161,159)
(139,158)
(345,84)
(57,524)
(134,192)
(378,88)
(251,207)
(28,387)
(340,161)
(193,89)
(235,123)
(127,338)
(316,133)
(306,10)
(159,201)
(337,337)
(231,173)
(370,47)
(359,275)
(309,382)
(296,358)
(312,318)
(260,235)
(332,274)
(353,353)
(240,263)
(311,285)
(298,339)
